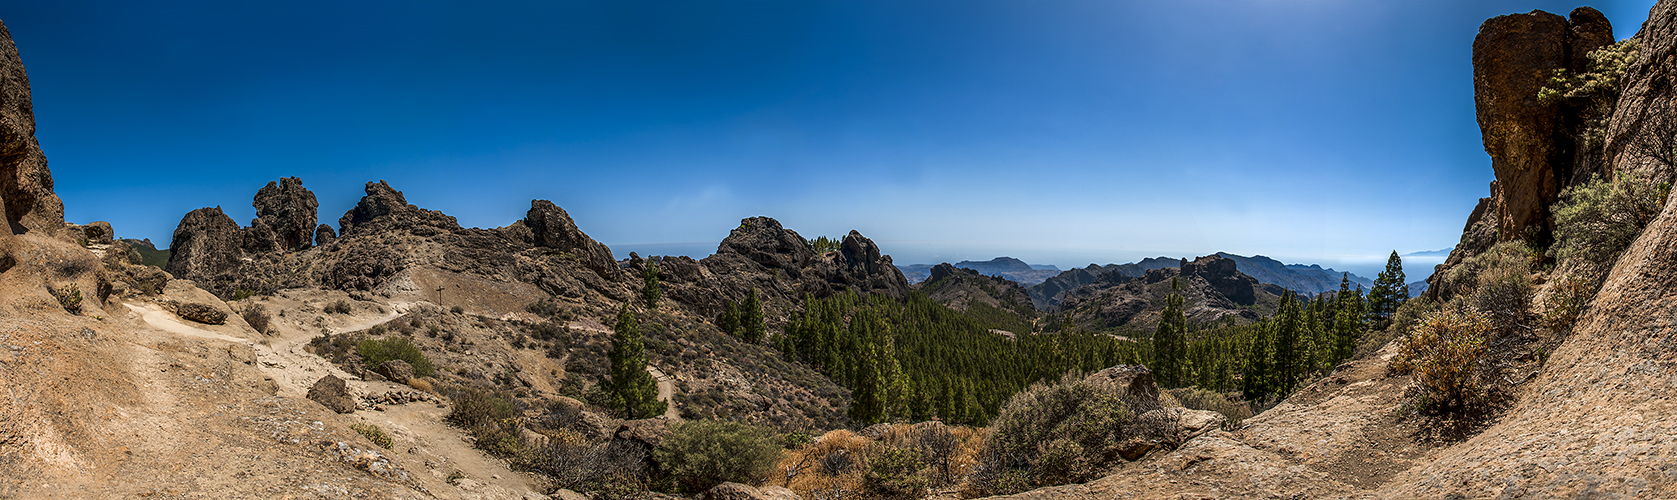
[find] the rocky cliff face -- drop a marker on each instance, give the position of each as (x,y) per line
(782,266)
(1532,149)
(25,182)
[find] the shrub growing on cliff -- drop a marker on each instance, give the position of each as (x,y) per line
(701,454)
(1598,219)
(1051,434)
(1443,353)
(1502,289)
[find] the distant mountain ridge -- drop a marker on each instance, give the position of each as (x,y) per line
(1006,267)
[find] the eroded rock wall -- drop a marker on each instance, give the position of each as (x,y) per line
(25,182)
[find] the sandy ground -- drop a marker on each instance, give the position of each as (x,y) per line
(424,444)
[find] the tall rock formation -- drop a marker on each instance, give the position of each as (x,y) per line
(1531,148)
(207,244)
(287,211)
(553,228)
(25,182)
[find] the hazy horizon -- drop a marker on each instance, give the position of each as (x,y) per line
(1063,133)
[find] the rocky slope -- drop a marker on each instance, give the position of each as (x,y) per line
(1214,293)
(997,299)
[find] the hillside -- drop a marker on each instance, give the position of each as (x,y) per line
(994,299)
(1215,294)
(1307,280)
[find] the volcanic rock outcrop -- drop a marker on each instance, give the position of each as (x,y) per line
(782,266)
(1532,148)
(285,217)
(25,182)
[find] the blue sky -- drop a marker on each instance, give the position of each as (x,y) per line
(1060,132)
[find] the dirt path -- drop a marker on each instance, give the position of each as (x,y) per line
(666,392)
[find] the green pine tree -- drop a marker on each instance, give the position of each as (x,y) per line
(1348,323)
(651,292)
(633,390)
(1290,342)
(870,396)
(1389,292)
(1168,342)
(752,327)
(729,321)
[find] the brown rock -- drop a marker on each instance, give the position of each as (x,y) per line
(553,228)
(287,210)
(1513,57)
(397,371)
(650,431)
(332,393)
(1131,381)
(323,235)
(202,313)
(736,491)
(385,207)
(206,245)
(25,182)
(98,233)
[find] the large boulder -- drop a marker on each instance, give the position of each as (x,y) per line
(98,233)
(323,235)
(207,244)
(333,393)
(1220,273)
(762,240)
(737,491)
(553,228)
(287,210)
(397,371)
(25,182)
(1531,144)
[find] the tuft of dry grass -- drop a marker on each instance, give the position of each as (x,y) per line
(420,384)
(834,465)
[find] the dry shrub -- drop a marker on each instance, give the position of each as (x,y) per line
(1566,302)
(830,467)
(1052,434)
(420,384)
(1502,286)
(256,315)
(1232,407)
(1443,353)
(572,462)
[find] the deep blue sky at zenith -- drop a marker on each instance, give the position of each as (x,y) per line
(1062,132)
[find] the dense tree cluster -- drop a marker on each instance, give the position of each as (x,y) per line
(744,320)
(918,360)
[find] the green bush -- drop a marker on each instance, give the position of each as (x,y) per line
(1444,353)
(373,433)
(1598,219)
(70,297)
(375,352)
(1567,301)
(895,473)
(1052,434)
(701,454)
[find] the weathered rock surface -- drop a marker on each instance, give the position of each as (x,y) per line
(324,235)
(385,207)
(1529,143)
(331,392)
(98,233)
(25,182)
(287,212)
(553,228)
(782,266)
(736,491)
(207,245)
(202,313)
(397,371)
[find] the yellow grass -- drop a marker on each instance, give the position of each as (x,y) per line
(811,482)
